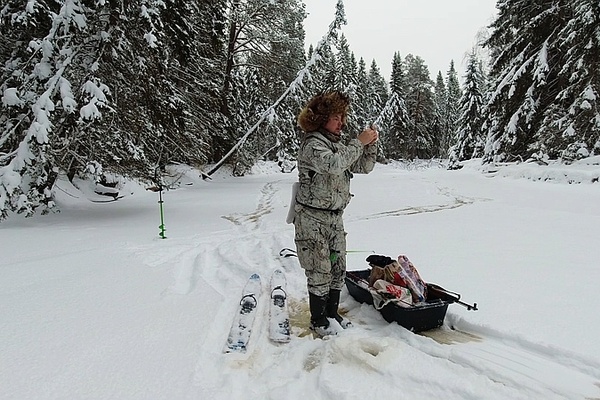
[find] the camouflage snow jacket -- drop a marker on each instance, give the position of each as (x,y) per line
(325,168)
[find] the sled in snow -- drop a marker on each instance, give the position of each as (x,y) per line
(429,313)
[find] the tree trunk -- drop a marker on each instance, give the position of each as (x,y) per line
(233,26)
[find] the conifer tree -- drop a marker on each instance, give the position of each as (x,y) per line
(377,91)
(441,95)
(452,108)
(361,104)
(104,89)
(199,74)
(49,84)
(398,75)
(469,137)
(345,78)
(344,73)
(324,73)
(421,108)
(441,123)
(394,143)
(526,60)
(571,126)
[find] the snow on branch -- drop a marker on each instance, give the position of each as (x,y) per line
(97,98)
(24,173)
(149,10)
(392,105)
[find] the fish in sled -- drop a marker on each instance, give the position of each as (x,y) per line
(396,290)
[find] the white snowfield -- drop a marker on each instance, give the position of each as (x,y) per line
(94,305)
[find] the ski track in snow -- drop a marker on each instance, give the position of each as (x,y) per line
(224,264)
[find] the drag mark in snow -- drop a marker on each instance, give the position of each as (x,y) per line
(456,202)
(594,398)
(547,371)
(518,364)
(411,211)
(450,336)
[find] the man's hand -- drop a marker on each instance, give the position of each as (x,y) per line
(368,136)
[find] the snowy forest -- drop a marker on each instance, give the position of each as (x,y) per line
(100,89)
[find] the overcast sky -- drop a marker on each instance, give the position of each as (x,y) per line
(436,30)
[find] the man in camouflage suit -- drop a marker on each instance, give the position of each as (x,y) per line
(325,167)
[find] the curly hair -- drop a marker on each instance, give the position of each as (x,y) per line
(318,110)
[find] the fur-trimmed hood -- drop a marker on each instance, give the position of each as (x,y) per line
(316,113)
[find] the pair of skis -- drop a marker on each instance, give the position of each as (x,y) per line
(279,322)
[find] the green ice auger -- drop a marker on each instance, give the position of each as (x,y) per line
(162,215)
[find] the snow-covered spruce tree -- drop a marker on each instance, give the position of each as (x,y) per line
(398,75)
(441,121)
(324,71)
(571,126)
(283,127)
(454,94)
(526,61)
(469,138)
(376,92)
(100,87)
(361,106)
(196,68)
(395,141)
(378,85)
(50,94)
(391,114)
(167,104)
(441,95)
(484,89)
(420,104)
(346,80)
(247,95)
(162,111)
(323,74)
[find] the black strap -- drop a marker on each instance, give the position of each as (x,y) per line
(319,209)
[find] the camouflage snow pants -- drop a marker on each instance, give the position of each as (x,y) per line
(321,245)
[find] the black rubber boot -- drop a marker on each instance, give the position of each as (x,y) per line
(318,314)
(333,303)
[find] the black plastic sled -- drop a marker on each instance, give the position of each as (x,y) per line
(417,318)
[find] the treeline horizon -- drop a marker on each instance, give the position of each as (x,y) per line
(128,88)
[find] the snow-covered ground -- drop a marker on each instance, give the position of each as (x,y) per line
(94,305)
